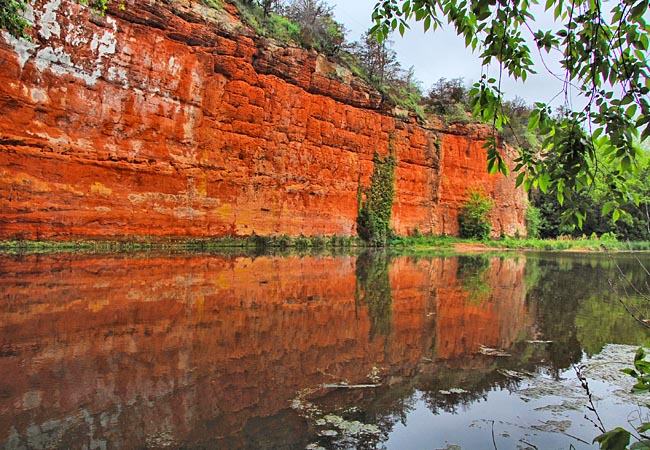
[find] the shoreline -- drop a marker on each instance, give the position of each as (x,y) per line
(285,243)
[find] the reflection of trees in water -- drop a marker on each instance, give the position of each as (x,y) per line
(575,308)
(556,315)
(373,290)
(578,310)
(450,390)
(443,388)
(473,274)
(382,407)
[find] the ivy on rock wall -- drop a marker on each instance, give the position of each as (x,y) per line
(376,201)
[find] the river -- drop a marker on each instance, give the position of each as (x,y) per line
(314,351)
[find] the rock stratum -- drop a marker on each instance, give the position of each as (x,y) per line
(173,119)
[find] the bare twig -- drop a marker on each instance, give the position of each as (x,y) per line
(627,283)
(591,407)
(529,444)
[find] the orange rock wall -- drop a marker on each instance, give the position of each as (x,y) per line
(173,119)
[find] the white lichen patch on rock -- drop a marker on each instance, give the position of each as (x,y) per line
(118,75)
(24,49)
(76,36)
(55,59)
(48,24)
(59,27)
(104,45)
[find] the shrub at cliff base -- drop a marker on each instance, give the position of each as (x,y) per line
(474,217)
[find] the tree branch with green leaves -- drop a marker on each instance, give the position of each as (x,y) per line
(604,56)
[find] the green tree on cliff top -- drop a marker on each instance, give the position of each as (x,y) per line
(604,50)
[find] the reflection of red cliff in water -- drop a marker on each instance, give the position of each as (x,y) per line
(467,320)
(210,350)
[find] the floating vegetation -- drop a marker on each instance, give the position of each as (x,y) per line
(487,351)
(453,391)
(337,429)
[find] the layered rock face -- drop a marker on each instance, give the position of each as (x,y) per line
(173,119)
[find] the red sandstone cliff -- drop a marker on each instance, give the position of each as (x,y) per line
(172,119)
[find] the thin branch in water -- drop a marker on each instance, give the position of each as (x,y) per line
(576,438)
(629,282)
(591,407)
(529,444)
(627,308)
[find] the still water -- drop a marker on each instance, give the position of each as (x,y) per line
(297,352)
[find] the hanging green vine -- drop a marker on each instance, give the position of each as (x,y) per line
(376,201)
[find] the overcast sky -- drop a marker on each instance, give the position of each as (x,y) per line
(440,53)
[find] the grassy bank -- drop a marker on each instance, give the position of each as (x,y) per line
(285,243)
(146,244)
(561,244)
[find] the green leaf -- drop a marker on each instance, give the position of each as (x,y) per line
(533,120)
(616,439)
(528,183)
(641,445)
(639,9)
(643,427)
(427,23)
(543,182)
(520,178)
(639,355)
(607,208)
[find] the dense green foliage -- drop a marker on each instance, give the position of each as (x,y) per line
(533,221)
(631,218)
(446,97)
(11,17)
(378,64)
(474,216)
(451,101)
(220,244)
(308,23)
(604,55)
(266,6)
(376,202)
(318,29)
